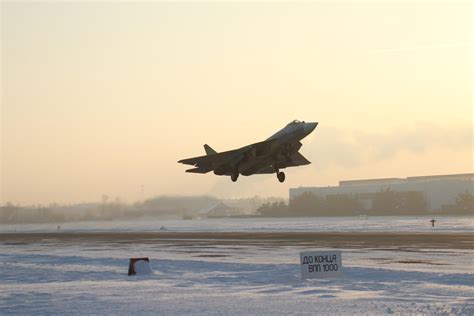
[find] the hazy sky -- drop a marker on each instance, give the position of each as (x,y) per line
(102,98)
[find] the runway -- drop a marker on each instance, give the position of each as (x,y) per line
(309,239)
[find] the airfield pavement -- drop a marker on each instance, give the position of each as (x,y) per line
(394,240)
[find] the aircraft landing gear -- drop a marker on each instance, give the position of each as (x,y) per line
(281,176)
(234,177)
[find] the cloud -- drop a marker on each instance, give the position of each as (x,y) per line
(349,149)
(333,146)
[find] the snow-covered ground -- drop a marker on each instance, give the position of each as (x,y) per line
(210,279)
(315,224)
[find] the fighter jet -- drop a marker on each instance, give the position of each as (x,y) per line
(269,156)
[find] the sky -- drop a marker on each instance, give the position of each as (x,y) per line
(105,97)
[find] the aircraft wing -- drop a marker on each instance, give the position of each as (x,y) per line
(294,160)
(207,163)
(210,162)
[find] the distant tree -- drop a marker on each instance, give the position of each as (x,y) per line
(172,204)
(465,203)
(390,202)
(413,203)
(273,209)
(105,198)
(307,204)
(386,202)
(342,205)
(8,212)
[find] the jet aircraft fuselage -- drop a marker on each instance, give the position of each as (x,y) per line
(269,156)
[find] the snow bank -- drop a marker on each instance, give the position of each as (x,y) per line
(88,278)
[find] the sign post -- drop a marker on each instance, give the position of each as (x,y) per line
(320,264)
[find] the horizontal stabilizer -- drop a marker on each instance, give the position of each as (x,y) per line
(209,150)
(198,170)
(299,160)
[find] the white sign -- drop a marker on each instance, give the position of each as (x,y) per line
(320,264)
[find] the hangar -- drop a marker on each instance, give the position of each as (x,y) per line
(438,190)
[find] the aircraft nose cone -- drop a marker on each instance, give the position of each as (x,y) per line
(309,127)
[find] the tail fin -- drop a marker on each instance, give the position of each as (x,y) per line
(209,150)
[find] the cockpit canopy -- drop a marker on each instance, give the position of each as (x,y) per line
(295,122)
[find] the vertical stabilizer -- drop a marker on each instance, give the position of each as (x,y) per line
(209,150)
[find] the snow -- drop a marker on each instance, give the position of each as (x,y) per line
(315,224)
(212,279)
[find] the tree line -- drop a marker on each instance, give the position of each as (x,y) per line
(383,203)
(115,209)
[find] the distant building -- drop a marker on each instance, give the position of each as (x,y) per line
(222,210)
(438,190)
